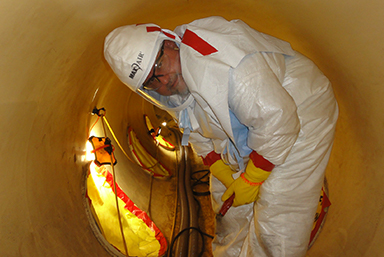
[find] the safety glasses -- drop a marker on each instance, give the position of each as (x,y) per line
(161,64)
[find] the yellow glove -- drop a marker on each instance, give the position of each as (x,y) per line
(246,187)
(222,172)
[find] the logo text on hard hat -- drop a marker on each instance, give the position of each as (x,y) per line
(137,65)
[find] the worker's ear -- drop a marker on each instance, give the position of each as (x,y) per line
(170,44)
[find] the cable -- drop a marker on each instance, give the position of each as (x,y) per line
(197,181)
(115,138)
(202,234)
(116,198)
(200,181)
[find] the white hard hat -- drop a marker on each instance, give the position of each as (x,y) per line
(131,51)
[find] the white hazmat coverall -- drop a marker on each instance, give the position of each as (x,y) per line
(288,107)
(290,112)
(252,92)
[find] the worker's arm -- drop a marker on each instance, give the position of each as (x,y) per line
(260,102)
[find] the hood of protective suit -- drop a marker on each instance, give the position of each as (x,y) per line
(131,52)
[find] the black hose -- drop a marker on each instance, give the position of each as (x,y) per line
(202,234)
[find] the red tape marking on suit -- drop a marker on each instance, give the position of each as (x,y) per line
(191,39)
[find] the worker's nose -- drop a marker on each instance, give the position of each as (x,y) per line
(164,79)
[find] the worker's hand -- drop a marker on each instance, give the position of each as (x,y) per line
(246,187)
(222,172)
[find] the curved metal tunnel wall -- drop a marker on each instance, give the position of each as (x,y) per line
(53,74)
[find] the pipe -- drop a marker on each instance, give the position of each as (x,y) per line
(53,73)
(183,239)
(193,218)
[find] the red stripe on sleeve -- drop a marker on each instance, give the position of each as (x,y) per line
(211,158)
(260,162)
(191,39)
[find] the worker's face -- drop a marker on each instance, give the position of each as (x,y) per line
(165,76)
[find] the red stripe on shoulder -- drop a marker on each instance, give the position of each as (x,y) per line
(191,39)
(153,28)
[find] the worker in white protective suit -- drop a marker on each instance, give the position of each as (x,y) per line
(261,115)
